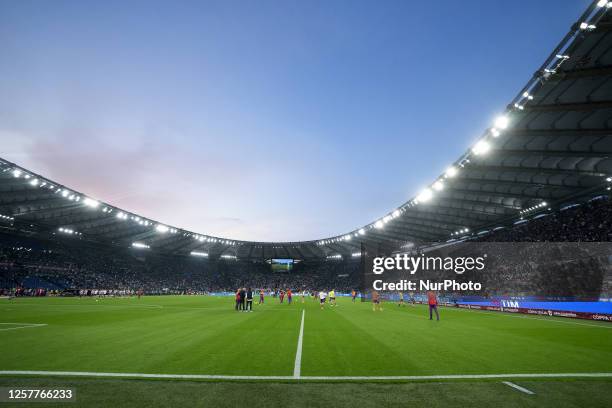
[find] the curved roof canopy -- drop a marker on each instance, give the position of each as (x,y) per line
(551,146)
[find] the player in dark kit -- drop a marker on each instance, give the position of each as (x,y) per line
(249,300)
(242,299)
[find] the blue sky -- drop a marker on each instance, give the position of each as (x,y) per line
(261,120)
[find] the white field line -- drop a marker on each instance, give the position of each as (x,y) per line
(301,378)
(96,305)
(518,387)
(298,354)
(494,313)
(22,326)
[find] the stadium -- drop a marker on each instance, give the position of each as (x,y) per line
(490,286)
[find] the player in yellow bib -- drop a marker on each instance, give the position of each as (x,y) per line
(332,298)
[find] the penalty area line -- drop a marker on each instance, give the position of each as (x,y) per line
(301,378)
(518,387)
(21,326)
(298,354)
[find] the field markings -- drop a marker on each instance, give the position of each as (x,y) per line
(21,326)
(518,387)
(494,313)
(303,378)
(298,354)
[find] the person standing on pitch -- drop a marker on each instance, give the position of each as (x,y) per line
(249,300)
(332,298)
(322,296)
(433,305)
(261,296)
(376,306)
(242,299)
(237,299)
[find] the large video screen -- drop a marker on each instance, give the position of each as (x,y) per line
(281,265)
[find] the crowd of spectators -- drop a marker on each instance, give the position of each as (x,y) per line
(57,266)
(539,266)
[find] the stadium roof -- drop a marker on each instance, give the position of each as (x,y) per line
(550,147)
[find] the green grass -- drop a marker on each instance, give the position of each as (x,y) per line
(204,335)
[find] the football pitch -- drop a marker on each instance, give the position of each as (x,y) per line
(197,350)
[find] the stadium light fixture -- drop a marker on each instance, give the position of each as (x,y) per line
(361,231)
(451,172)
(356,254)
(91,202)
(425,195)
(386,219)
(495,132)
(65,193)
(16,173)
(122,215)
(34,182)
(396,213)
(438,185)
(481,147)
(378,224)
(140,245)
(602,3)
(161,228)
(587,26)
(198,253)
(501,122)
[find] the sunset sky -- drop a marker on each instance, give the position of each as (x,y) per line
(261,120)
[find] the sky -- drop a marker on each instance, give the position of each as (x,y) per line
(261,120)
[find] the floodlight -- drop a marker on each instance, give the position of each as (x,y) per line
(91,202)
(451,172)
(425,195)
(501,122)
(481,147)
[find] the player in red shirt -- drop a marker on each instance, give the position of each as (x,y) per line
(289,296)
(261,296)
(238,300)
(433,305)
(282,296)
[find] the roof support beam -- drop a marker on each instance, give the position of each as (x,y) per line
(502,168)
(571,106)
(549,153)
